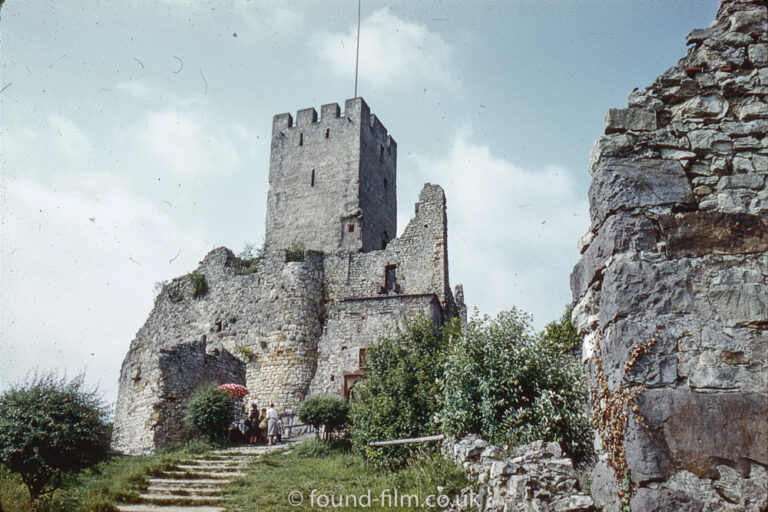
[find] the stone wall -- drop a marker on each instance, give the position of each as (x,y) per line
(154,391)
(353,325)
(536,477)
(419,257)
(676,253)
(293,325)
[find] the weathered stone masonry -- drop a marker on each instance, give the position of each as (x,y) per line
(678,248)
(294,328)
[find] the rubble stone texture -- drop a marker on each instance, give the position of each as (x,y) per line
(678,247)
(536,477)
(293,328)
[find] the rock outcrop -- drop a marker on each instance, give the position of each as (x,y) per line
(672,287)
(536,477)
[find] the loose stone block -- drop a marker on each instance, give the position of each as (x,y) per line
(629,119)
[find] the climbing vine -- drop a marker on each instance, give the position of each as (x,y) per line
(610,414)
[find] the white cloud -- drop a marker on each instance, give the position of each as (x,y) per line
(71,265)
(393,51)
(187,144)
(134,88)
(72,141)
(512,231)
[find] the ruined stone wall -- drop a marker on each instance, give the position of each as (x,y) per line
(287,322)
(183,369)
(419,257)
(677,253)
(269,319)
(356,324)
(327,180)
(154,391)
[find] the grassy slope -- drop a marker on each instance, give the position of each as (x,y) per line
(118,479)
(271,479)
(338,473)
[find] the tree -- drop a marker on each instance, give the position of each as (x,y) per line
(503,382)
(398,396)
(329,411)
(210,410)
(50,427)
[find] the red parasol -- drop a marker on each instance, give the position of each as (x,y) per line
(235,390)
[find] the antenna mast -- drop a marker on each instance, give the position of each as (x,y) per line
(357,54)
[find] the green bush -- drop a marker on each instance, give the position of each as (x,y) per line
(329,411)
(210,411)
(51,427)
(398,396)
(199,284)
(247,262)
(561,336)
(295,252)
(502,382)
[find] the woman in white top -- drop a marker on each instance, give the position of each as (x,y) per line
(272,417)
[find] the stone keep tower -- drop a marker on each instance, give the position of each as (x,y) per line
(332,182)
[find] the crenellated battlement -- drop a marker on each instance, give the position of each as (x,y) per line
(355,110)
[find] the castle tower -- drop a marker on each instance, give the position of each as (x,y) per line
(332,181)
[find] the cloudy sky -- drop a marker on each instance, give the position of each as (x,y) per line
(135,138)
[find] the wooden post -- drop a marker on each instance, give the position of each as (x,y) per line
(412,440)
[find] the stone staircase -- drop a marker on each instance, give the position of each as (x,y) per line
(197,485)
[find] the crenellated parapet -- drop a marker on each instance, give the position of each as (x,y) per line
(356,110)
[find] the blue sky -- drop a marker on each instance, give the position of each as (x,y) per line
(135,138)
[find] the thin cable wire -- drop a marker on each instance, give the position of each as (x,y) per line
(357,54)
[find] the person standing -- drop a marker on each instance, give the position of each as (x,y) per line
(253,423)
(272,417)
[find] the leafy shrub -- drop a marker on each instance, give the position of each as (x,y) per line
(199,284)
(51,427)
(398,396)
(295,252)
(561,336)
(329,411)
(210,411)
(502,382)
(247,262)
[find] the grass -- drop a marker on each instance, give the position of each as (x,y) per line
(329,468)
(119,479)
(338,473)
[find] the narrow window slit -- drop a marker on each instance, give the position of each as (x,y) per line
(312,179)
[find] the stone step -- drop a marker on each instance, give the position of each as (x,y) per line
(216,468)
(221,462)
(184,490)
(226,458)
(190,483)
(228,475)
(173,508)
(169,499)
